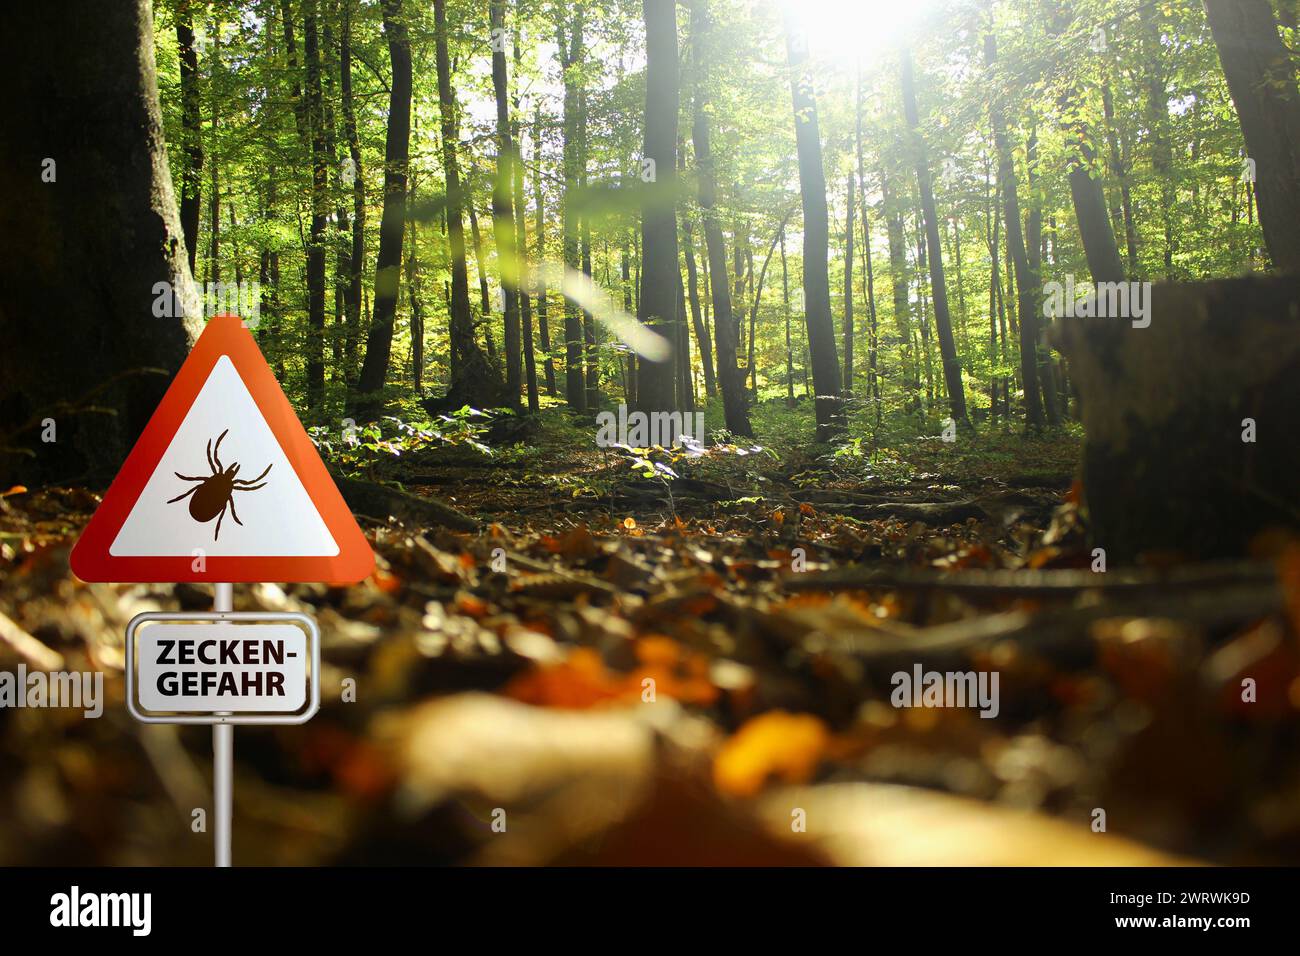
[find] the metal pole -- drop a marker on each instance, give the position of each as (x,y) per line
(223,752)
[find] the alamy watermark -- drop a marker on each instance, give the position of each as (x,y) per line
(243,299)
(80,690)
(645,429)
(920,688)
(1100,300)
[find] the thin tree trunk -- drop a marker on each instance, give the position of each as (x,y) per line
(848,289)
(873,343)
(379,340)
(730,383)
(785,309)
(697,317)
(658,210)
(357,256)
(1026,279)
(569,42)
(816,240)
(1120,170)
(472,379)
(521,237)
(503,216)
(942,321)
(319,213)
(417,313)
(191,132)
(900,280)
(1086,194)
(539,202)
(758,296)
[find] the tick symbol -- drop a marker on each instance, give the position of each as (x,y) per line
(215,493)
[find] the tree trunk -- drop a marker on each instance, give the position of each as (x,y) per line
(1087,196)
(655,391)
(1262,81)
(1189,421)
(1034,248)
(816,240)
(569,43)
(191,132)
(732,386)
(697,317)
(1157,107)
(539,201)
(472,381)
(319,214)
(899,279)
(357,257)
(392,223)
(417,313)
(785,309)
(848,289)
(91,231)
(942,321)
(758,296)
(521,238)
(503,217)
(873,342)
(1119,170)
(1027,280)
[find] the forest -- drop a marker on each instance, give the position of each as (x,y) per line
(710,379)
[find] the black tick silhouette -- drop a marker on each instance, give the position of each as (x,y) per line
(215,493)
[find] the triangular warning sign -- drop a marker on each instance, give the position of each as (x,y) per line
(223,485)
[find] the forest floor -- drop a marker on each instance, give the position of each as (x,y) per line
(621,666)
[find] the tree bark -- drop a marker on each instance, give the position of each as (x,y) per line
(191,132)
(521,239)
(319,213)
(899,279)
(1189,445)
(816,240)
(392,223)
(357,256)
(848,288)
(1027,280)
(472,381)
(1262,81)
(96,235)
(939,290)
(569,42)
(539,201)
(732,386)
(1086,194)
(697,317)
(655,392)
(503,216)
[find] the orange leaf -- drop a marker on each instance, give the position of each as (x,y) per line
(787,746)
(15,490)
(388,583)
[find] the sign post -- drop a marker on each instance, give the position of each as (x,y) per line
(223,485)
(223,759)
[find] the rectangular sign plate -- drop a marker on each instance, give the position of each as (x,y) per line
(213,668)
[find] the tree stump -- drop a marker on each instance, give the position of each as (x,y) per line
(1191,443)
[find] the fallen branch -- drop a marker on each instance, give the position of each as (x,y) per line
(1061,583)
(368,497)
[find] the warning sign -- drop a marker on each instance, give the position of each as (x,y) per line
(223,485)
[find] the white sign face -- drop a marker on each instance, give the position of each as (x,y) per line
(224,487)
(221,667)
